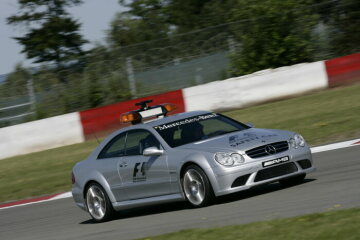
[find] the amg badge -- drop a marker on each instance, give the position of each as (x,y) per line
(275,161)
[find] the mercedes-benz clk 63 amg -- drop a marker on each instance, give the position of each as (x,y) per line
(193,156)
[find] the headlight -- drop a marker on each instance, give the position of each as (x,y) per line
(297,141)
(229,159)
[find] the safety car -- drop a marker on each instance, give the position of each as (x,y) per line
(193,156)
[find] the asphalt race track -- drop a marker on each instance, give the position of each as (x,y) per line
(335,185)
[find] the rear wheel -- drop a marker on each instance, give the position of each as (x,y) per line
(197,187)
(293,180)
(98,203)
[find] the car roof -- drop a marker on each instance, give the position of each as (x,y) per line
(148,125)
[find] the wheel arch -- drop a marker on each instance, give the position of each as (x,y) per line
(103,185)
(185,165)
(203,166)
(108,211)
(86,186)
(209,195)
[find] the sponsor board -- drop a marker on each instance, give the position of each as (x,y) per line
(185,121)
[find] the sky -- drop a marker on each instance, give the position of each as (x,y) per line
(95,16)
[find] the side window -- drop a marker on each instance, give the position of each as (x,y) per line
(115,148)
(138,140)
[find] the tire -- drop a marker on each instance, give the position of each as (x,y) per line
(293,180)
(196,187)
(98,203)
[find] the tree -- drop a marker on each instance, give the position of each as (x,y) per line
(144,21)
(15,83)
(52,35)
(272,34)
(343,20)
(188,15)
(125,30)
(267,33)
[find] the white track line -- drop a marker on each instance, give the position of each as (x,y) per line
(61,196)
(334,146)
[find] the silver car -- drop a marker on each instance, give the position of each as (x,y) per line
(193,156)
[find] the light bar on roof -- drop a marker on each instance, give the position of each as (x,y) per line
(130,117)
(147,112)
(152,112)
(169,107)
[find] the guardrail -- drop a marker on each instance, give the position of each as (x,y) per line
(16,116)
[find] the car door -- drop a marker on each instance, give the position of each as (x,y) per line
(143,176)
(108,162)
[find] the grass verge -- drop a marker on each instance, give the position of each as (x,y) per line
(322,117)
(332,225)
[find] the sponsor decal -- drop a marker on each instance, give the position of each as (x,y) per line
(237,140)
(275,161)
(185,121)
(139,175)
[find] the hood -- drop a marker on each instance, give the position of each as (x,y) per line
(239,141)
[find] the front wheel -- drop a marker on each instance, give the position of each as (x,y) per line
(293,180)
(98,203)
(197,187)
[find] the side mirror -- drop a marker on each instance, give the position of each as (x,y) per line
(250,125)
(152,151)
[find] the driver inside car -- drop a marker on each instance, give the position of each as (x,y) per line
(192,132)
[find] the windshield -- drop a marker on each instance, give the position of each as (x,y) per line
(197,128)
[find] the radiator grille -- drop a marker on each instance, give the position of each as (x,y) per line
(268,149)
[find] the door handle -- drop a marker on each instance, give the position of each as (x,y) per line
(124,164)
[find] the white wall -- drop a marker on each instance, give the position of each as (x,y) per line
(257,87)
(40,135)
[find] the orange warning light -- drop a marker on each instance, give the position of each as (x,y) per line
(169,107)
(130,117)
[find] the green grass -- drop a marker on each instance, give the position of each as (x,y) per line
(322,117)
(40,173)
(332,225)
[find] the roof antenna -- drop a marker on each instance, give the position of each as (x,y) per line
(143,104)
(93,132)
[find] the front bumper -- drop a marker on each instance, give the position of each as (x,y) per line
(226,180)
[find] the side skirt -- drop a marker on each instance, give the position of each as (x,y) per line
(147,201)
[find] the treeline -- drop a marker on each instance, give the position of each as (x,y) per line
(257,34)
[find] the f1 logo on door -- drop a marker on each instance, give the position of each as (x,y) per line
(139,175)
